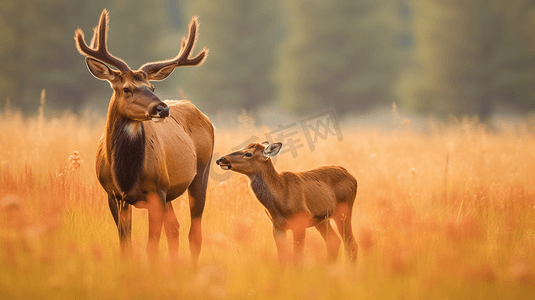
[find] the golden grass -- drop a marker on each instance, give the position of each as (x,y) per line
(449,214)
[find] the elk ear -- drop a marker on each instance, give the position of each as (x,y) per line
(100,70)
(162,73)
(265,143)
(272,150)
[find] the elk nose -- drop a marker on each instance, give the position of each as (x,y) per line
(220,160)
(162,111)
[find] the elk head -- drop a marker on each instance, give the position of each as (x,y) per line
(249,159)
(133,94)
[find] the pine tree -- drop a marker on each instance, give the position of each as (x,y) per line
(241,36)
(338,52)
(11,44)
(474,56)
(43,55)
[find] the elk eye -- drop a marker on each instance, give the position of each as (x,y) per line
(248,154)
(126,90)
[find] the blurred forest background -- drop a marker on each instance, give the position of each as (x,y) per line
(438,57)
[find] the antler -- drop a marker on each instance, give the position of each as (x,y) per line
(98,49)
(182,58)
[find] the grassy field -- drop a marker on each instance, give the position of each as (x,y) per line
(445,214)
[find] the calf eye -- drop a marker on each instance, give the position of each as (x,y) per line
(248,154)
(126,90)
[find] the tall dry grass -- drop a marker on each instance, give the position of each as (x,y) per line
(445,214)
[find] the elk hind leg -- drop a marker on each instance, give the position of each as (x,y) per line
(331,239)
(197,199)
(342,218)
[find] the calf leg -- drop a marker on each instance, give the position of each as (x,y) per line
(299,235)
(331,239)
(282,247)
(342,217)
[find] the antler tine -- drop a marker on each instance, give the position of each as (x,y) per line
(182,59)
(93,44)
(98,49)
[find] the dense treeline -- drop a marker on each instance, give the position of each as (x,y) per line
(37,48)
(439,56)
(473,55)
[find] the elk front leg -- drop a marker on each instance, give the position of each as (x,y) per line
(125,227)
(156,208)
(299,234)
(282,247)
(172,227)
(122,215)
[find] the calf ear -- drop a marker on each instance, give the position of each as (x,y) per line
(272,150)
(100,70)
(265,143)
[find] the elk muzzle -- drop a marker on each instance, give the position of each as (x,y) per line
(159,111)
(223,163)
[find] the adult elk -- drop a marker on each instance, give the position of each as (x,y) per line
(299,200)
(148,164)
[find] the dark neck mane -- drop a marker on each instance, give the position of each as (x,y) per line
(126,150)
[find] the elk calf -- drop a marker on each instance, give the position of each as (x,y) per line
(299,200)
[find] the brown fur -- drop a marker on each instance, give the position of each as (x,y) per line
(148,164)
(299,200)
